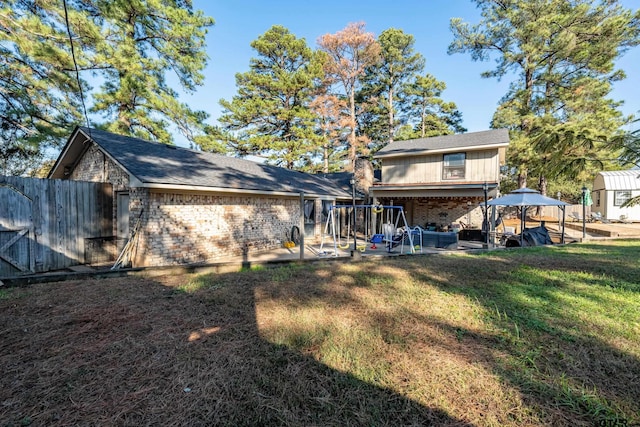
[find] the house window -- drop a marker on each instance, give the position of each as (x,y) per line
(326,208)
(597,198)
(453,166)
(621,196)
(309,211)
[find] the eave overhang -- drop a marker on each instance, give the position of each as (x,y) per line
(426,152)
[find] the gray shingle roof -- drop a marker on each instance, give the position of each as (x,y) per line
(156,163)
(436,144)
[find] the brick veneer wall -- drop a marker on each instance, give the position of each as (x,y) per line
(95,166)
(456,209)
(432,210)
(183,228)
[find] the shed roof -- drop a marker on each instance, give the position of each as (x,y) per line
(446,143)
(159,165)
(621,180)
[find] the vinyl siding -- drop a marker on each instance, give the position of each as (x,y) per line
(479,166)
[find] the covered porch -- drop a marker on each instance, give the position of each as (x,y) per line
(441,207)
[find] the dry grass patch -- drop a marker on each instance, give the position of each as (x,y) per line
(546,336)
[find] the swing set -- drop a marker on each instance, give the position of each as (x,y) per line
(377,228)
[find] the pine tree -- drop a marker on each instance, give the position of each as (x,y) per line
(427,111)
(139,45)
(385,83)
(38,92)
(271,114)
(130,47)
(349,53)
(563,54)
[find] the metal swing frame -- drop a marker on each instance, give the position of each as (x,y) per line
(388,239)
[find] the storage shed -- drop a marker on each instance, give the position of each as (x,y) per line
(611,189)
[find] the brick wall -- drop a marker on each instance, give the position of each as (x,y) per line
(183,228)
(97,167)
(442,210)
(446,210)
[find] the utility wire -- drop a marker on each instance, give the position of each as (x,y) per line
(75,64)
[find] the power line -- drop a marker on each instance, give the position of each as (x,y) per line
(75,64)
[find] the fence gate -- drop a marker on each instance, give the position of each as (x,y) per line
(16,231)
(16,249)
(44,223)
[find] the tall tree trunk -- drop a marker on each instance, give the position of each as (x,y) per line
(542,187)
(390,106)
(352,136)
(325,158)
(522,178)
(526,125)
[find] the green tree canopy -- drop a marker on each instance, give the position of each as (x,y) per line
(385,81)
(139,44)
(130,48)
(429,114)
(562,53)
(38,94)
(398,101)
(270,114)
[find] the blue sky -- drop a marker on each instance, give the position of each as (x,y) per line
(239,22)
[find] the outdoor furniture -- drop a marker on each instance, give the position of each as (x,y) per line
(506,234)
(530,237)
(472,235)
(575,217)
(597,216)
(439,239)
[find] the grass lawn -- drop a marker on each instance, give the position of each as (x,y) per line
(527,337)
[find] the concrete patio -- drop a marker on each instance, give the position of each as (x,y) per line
(315,251)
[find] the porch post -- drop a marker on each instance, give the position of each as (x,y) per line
(301,225)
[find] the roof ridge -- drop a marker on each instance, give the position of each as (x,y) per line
(151,164)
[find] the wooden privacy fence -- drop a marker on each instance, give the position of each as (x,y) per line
(44,223)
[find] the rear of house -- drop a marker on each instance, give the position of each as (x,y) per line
(444,179)
(189,206)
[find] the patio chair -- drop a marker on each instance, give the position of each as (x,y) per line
(625,219)
(575,217)
(507,233)
(597,216)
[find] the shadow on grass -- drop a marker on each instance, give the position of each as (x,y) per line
(538,303)
(205,350)
(164,352)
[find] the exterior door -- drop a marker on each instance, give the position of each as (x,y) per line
(309,218)
(122,231)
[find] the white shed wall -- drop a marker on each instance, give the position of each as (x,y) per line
(606,184)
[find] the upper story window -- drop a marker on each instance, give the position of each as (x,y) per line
(453,166)
(621,196)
